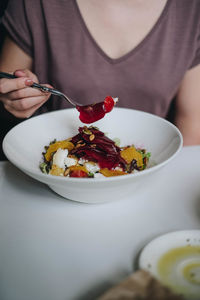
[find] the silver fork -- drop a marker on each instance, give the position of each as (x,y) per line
(43,89)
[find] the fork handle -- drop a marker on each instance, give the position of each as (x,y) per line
(7,75)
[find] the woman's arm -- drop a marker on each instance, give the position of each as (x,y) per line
(188,107)
(15,94)
(12,57)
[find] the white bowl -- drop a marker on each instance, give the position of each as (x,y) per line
(24,144)
(174,259)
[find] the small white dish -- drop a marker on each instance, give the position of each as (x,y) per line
(174,259)
(24,145)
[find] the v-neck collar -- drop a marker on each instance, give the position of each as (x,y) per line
(131,52)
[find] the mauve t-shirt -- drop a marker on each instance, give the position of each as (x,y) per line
(65,54)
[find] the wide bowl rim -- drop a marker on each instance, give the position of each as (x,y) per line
(60,179)
(178,236)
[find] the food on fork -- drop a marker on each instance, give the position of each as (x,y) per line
(91,154)
(96,111)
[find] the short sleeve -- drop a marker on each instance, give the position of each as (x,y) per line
(15,20)
(196,59)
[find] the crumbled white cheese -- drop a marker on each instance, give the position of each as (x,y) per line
(93,168)
(69,161)
(118,169)
(115,99)
(59,158)
(81,161)
(98,175)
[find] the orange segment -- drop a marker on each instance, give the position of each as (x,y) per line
(130,153)
(54,147)
(108,173)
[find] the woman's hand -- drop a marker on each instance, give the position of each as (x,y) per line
(18,97)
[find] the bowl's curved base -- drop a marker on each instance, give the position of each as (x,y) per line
(92,197)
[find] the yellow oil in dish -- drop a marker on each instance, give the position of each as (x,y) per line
(179,269)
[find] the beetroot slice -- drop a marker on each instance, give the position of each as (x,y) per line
(98,148)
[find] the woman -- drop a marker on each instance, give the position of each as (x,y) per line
(144,52)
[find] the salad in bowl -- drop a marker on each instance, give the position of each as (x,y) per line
(91,154)
(100,156)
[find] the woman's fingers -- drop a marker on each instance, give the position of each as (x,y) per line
(26,73)
(17,95)
(27,102)
(25,113)
(9,85)
(24,93)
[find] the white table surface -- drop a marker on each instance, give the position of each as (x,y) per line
(55,249)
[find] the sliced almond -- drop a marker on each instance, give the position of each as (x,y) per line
(80,145)
(66,172)
(87,131)
(92,137)
(93,145)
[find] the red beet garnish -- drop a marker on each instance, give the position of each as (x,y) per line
(98,148)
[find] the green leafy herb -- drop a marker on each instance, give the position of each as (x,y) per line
(117,141)
(90,174)
(148,155)
(144,153)
(44,168)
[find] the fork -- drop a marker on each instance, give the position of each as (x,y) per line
(43,89)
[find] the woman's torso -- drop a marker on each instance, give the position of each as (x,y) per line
(145,77)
